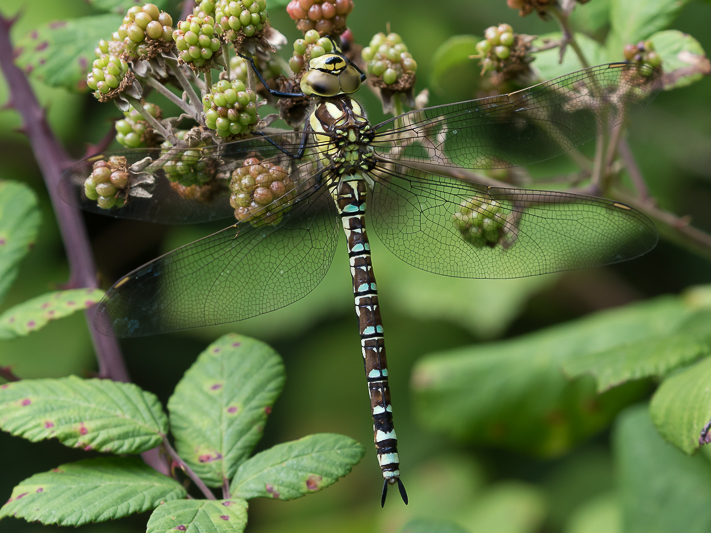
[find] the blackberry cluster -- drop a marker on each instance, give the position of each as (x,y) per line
(257,184)
(230,108)
(189,167)
(196,40)
(106,181)
(327,17)
(480,222)
(239,69)
(308,48)
(526,7)
(133,131)
(113,48)
(145,31)
(107,75)
(388,60)
(240,17)
(503,54)
(643,52)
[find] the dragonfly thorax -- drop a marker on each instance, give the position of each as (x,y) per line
(343,134)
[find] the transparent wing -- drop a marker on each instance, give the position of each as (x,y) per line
(523,127)
(155,198)
(459,229)
(247,269)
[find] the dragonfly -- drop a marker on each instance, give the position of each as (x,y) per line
(293,192)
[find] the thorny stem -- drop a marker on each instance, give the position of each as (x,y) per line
(188,471)
(51,159)
(162,89)
(157,126)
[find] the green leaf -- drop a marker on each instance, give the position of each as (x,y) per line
(514,394)
(19,222)
(199,516)
(453,53)
(94,490)
(34,314)
(508,507)
(220,407)
(423,525)
(121,6)
(681,407)
(645,358)
(635,20)
(60,54)
(548,64)
(593,17)
(597,515)
(663,490)
(683,59)
(293,469)
(92,414)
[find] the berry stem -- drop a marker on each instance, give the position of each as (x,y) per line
(627,156)
(185,84)
(188,471)
(208,79)
(157,126)
(568,36)
(162,89)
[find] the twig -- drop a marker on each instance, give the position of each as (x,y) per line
(7,374)
(150,119)
(184,83)
(568,36)
(162,89)
(188,471)
(634,172)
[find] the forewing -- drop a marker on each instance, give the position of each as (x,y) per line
(415,215)
(237,273)
(523,127)
(154,198)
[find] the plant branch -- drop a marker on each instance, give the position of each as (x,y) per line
(7,374)
(568,36)
(635,173)
(152,122)
(185,84)
(162,89)
(188,471)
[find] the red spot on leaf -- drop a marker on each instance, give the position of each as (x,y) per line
(88,448)
(34,34)
(89,303)
(272,491)
(26,401)
(232,409)
(3,242)
(51,312)
(45,305)
(40,490)
(313,482)
(22,495)
(216,386)
(41,46)
(268,410)
(226,504)
(58,24)
(83,430)
(42,61)
(208,458)
(31,324)
(5,386)
(236,344)
(58,470)
(28,69)
(225,517)
(180,528)
(12,319)
(48,425)
(215,350)
(71,302)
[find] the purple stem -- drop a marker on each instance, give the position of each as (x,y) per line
(51,159)
(188,471)
(7,374)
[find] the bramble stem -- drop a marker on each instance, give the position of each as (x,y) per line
(568,36)
(188,471)
(185,84)
(157,126)
(162,89)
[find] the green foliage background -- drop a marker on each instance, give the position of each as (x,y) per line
(552,478)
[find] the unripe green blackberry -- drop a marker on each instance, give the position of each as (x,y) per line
(387,58)
(108,182)
(237,18)
(145,32)
(643,52)
(480,222)
(189,167)
(308,48)
(526,7)
(503,53)
(196,40)
(230,108)
(256,185)
(239,69)
(133,131)
(107,74)
(327,17)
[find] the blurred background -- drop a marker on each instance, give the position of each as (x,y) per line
(484,483)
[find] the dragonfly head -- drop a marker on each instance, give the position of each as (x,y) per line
(330,75)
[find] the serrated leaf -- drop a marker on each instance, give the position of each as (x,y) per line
(514,394)
(454,52)
(94,490)
(294,469)
(683,59)
(635,20)
(423,525)
(60,53)
(548,64)
(663,490)
(593,17)
(19,222)
(647,357)
(121,6)
(220,407)
(199,516)
(681,407)
(92,414)
(34,314)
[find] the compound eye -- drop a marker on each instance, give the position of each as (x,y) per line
(349,79)
(320,83)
